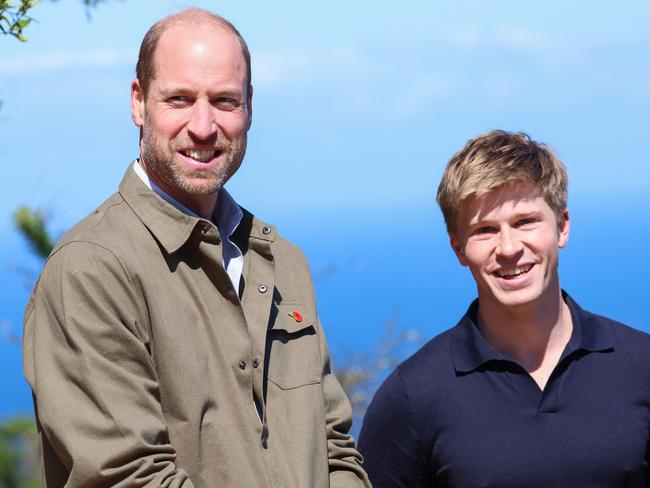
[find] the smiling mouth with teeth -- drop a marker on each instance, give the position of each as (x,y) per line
(202,156)
(514,272)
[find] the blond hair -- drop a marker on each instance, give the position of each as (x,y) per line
(497,158)
(144,70)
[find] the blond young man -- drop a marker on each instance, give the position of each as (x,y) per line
(172,339)
(528,389)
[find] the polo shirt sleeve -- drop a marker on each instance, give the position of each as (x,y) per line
(389,441)
(647,465)
(95,388)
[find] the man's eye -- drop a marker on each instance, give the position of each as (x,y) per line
(524,222)
(226,103)
(484,230)
(178,100)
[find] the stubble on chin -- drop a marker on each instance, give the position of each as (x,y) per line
(160,164)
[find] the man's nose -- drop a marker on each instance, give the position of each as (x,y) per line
(507,242)
(202,124)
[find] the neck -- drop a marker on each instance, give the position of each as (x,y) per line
(202,205)
(534,335)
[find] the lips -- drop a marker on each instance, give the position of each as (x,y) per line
(513,272)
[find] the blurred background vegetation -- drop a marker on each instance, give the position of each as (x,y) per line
(19,455)
(19,458)
(19,466)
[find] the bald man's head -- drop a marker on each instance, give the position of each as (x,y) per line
(145,71)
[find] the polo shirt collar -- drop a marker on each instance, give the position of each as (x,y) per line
(470,350)
(589,333)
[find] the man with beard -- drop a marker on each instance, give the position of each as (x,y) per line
(172,338)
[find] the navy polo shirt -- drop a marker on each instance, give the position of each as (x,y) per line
(459,414)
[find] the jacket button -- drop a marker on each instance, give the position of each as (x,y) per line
(242,364)
(256,363)
(262,288)
(266,230)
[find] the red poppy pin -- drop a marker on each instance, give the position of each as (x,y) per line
(296,316)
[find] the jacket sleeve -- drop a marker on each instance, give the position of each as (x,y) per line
(389,440)
(344,459)
(95,388)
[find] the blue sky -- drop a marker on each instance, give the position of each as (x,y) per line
(357,108)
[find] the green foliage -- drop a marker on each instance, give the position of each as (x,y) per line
(19,454)
(32,225)
(14,16)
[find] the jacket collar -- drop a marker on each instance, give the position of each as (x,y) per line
(470,350)
(170,226)
(254,234)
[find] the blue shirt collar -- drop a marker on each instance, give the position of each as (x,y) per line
(470,350)
(226,214)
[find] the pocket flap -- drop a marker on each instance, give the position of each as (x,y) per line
(293,317)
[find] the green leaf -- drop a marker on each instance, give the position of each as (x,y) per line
(25,6)
(32,225)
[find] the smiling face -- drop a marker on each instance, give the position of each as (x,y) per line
(196,113)
(509,239)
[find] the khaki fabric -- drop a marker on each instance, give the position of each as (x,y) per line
(144,362)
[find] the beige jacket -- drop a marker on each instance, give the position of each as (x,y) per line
(144,362)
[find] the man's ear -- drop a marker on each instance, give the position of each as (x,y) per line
(137,103)
(249,103)
(563,226)
(458,249)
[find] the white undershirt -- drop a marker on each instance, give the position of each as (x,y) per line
(226,216)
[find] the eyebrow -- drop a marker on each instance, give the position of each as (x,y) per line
(531,213)
(518,215)
(166,91)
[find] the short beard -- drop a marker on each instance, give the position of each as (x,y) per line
(159,160)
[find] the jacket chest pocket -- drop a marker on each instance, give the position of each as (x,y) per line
(292,348)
